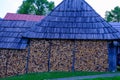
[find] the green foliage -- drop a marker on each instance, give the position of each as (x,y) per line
(50,75)
(113,15)
(37,7)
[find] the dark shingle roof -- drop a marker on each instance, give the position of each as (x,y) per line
(11,33)
(14,16)
(116,25)
(74,19)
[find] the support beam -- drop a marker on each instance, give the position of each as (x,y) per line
(6,64)
(49,55)
(73,53)
(28,57)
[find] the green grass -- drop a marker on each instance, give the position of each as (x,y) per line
(50,75)
(110,78)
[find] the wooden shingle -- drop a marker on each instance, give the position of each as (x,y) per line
(73,19)
(116,25)
(11,33)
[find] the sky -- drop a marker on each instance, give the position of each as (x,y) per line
(101,6)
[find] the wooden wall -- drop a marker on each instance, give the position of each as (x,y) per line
(55,55)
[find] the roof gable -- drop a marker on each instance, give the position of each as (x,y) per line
(73,19)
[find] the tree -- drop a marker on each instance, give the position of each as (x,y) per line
(37,7)
(113,15)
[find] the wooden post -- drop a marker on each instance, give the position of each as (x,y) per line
(73,53)
(112,53)
(49,55)
(6,66)
(28,57)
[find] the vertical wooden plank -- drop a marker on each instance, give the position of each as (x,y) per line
(49,55)
(28,57)
(112,57)
(73,53)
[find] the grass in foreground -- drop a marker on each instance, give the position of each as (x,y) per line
(110,78)
(50,75)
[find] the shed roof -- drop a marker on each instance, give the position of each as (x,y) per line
(74,19)
(11,33)
(116,25)
(14,16)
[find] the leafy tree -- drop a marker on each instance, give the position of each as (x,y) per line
(37,7)
(113,15)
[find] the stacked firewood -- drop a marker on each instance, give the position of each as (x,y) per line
(12,62)
(38,56)
(91,56)
(55,55)
(61,55)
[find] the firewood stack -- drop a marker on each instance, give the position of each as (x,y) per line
(55,55)
(38,56)
(61,55)
(12,62)
(91,56)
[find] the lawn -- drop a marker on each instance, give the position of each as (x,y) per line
(110,78)
(50,75)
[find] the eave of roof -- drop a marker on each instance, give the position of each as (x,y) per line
(11,33)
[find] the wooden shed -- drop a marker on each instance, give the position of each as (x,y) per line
(73,37)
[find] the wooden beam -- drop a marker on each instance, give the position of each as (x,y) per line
(6,64)
(28,57)
(49,55)
(73,53)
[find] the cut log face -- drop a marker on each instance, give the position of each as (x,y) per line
(55,55)
(38,56)
(12,62)
(3,61)
(91,56)
(61,55)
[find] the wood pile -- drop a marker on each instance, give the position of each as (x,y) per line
(3,61)
(61,55)
(38,56)
(12,62)
(91,56)
(55,55)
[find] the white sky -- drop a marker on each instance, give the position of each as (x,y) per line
(99,5)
